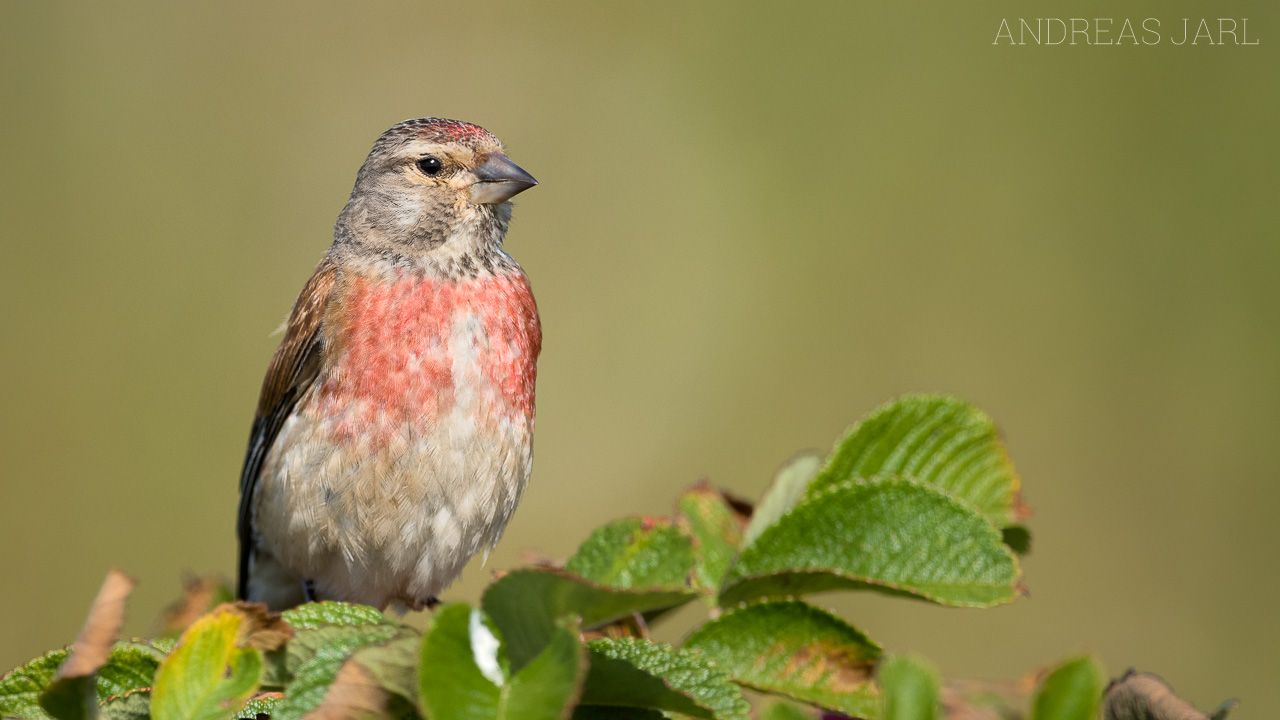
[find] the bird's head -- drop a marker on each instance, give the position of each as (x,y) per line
(432,185)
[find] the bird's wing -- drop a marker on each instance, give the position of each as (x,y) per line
(293,368)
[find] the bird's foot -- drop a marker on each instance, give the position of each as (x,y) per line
(309,590)
(418,605)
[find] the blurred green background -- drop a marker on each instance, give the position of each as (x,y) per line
(754,225)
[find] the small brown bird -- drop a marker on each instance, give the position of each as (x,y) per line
(394,433)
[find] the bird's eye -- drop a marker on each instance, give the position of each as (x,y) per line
(430,166)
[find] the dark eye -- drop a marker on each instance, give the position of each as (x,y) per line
(430,166)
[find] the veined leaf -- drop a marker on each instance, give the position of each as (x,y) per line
(525,604)
(1072,691)
(132,665)
(788,487)
(323,653)
(260,704)
(909,690)
(134,705)
(20,688)
(937,439)
(889,534)
(794,649)
(207,676)
(462,672)
(635,673)
(716,529)
(634,553)
(328,612)
(394,664)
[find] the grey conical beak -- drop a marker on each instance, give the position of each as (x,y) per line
(498,180)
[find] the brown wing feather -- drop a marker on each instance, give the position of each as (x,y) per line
(292,370)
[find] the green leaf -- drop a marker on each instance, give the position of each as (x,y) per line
(1017,537)
(132,665)
(206,677)
(604,712)
(451,681)
(71,698)
(1072,691)
(394,664)
(20,688)
(635,673)
(548,687)
(788,487)
(322,653)
(328,612)
(462,675)
(937,439)
(307,643)
(634,553)
(888,534)
(794,649)
(135,705)
(910,690)
(260,705)
(707,517)
(525,605)
(786,711)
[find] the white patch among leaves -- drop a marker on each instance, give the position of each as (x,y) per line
(484,648)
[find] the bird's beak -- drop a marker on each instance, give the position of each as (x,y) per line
(498,180)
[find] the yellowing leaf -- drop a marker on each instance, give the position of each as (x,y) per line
(207,676)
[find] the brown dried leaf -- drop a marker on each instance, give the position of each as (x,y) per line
(259,627)
(355,693)
(199,596)
(101,629)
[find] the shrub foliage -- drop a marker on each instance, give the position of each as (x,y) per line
(919,500)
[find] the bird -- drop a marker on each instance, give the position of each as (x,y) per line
(393,435)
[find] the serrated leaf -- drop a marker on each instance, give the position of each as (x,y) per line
(909,690)
(716,530)
(128,669)
(134,705)
(635,673)
(207,676)
(938,439)
(462,675)
(1072,691)
(634,553)
(889,534)
(366,680)
(320,655)
(131,665)
(394,664)
(788,487)
(307,643)
(525,605)
(327,612)
(794,649)
(20,688)
(260,704)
